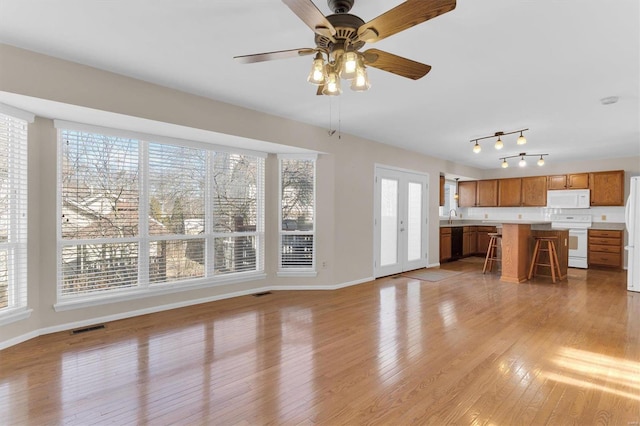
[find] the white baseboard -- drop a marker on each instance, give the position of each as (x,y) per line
(84,323)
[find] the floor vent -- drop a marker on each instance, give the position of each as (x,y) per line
(264,293)
(86,329)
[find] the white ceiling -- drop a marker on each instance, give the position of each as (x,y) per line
(498,65)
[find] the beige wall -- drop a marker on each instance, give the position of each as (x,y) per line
(344,188)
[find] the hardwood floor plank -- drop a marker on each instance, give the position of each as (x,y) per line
(468,349)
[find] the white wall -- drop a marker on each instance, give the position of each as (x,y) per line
(344,188)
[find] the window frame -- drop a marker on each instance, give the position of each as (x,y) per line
(306,271)
(17,238)
(144,287)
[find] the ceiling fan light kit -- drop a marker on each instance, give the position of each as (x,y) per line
(340,36)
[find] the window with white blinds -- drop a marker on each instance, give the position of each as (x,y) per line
(297,214)
(137,215)
(13,214)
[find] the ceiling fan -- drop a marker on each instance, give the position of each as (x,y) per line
(340,36)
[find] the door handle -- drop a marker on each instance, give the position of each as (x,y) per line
(401,229)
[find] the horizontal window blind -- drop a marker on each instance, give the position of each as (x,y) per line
(138,214)
(13,213)
(297,212)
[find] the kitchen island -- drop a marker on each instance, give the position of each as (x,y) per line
(517,248)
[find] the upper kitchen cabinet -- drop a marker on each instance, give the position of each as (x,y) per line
(607,188)
(534,191)
(467,193)
(487,193)
(510,192)
(570,181)
(525,192)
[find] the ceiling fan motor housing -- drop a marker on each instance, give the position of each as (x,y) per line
(340,6)
(346,26)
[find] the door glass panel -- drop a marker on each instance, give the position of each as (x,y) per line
(414,225)
(388,222)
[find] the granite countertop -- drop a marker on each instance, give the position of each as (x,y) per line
(618,226)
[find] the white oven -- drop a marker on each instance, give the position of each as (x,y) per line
(578,226)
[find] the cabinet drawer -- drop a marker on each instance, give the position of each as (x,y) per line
(486,229)
(444,231)
(604,259)
(605,233)
(606,249)
(604,241)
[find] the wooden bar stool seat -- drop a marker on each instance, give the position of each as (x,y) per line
(548,245)
(492,252)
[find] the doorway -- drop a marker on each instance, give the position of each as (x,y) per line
(400,221)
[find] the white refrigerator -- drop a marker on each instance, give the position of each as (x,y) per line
(632,219)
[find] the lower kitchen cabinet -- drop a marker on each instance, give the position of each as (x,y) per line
(469,240)
(483,238)
(445,244)
(605,248)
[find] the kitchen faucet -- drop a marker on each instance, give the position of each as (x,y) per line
(450,218)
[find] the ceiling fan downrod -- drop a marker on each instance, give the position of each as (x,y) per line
(340,6)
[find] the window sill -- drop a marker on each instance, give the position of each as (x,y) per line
(154,290)
(297,273)
(14,315)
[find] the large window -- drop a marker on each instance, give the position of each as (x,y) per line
(13,216)
(138,215)
(297,214)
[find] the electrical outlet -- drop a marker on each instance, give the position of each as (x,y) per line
(486,216)
(604,217)
(324,265)
(519,216)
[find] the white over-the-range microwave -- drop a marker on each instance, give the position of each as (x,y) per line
(569,199)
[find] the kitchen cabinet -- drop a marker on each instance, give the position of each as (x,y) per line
(487,193)
(570,181)
(467,193)
(607,188)
(445,244)
(605,248)
(469,240)
(534,191)
(483,238)
(509,192)
(441,191)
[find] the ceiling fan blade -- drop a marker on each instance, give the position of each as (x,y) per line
(311,15)
(403,16)
(270,56)
(395,64)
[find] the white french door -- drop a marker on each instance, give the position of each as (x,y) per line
(400,221)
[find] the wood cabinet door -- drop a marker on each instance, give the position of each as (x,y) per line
(578,181)
(467,193)
(473,241)
(509,192)
(445,247)
(557,182)
(483,242)
(466,243)
(487,193)
(534,191)
(607,188)
(441,191)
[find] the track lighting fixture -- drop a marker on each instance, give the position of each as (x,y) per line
(522,162)
(499,144)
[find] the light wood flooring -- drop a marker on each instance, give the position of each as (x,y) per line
(468,349)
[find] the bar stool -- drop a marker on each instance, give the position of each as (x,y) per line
(492,252)
(552,254)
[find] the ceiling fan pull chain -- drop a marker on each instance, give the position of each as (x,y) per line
(330,131)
